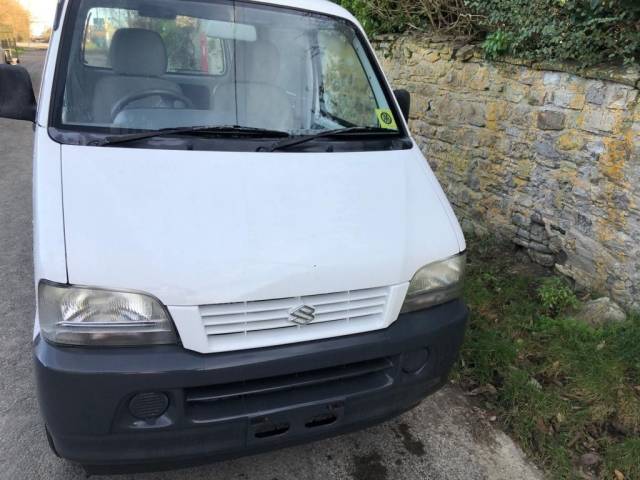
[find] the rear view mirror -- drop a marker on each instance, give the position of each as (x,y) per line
(17,100)
(404,100)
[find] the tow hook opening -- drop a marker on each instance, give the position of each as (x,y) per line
(268,429)
(321,420)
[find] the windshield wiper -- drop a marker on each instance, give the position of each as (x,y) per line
(291,142)
(195,130)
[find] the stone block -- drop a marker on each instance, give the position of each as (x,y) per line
(570,141)
(515,92)
(536,97)
(520,220)
(621,201)
(546,149)
(597,120)
(466,53)
(467,226)
(524,201)
(473,181)
(556,244)
(474,114)
(541,248)
(432,57)
(618,97)
(566,98)
(595,93)
(537,235)
(521,115)
(551,120)
(520,241)
(551,78)
(480,80)
(601,311)
(536,217)
(529,76)
(513,131)
(544,259)
(583,223)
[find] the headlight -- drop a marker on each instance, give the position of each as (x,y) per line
(435,283)
(88,316)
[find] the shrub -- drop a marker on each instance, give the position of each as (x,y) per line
(497,43)
(587,32)
(556,296)
(584,31)
(394,16)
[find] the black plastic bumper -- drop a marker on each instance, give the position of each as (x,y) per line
(231,404)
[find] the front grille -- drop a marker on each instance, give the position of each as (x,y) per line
(246,325)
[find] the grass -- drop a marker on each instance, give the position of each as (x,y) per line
(562,388)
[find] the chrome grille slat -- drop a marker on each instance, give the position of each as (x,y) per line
(255,324)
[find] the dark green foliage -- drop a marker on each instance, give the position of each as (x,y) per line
(585,32)
(556,295)
(371,22)
(497,43)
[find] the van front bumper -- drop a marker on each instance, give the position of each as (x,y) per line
(231,404)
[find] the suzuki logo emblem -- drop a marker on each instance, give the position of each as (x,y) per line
(302,315)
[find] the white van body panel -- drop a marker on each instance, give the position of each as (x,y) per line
(196,228)
(48,218)
(49,255)
(202,228)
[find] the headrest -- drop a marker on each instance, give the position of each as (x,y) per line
(262,62)
(136,51)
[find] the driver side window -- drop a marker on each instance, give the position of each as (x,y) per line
(189,47)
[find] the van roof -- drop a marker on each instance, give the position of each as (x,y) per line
(321,6)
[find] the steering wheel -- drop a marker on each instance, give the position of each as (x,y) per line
(132,97)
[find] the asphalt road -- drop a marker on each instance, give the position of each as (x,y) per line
(443,438)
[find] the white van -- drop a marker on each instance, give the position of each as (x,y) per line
(238,246)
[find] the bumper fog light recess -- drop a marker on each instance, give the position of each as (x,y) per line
(413,362)
(149,405)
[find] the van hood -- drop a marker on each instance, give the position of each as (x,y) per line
(197,228)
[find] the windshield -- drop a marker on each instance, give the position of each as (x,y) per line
(135,66)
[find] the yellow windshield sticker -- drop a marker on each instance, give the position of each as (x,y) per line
(385,118)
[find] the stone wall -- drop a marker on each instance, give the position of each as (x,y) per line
(545,157)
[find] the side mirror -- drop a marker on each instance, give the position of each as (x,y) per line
(17,100)
(404,100)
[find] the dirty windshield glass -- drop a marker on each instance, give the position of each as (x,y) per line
(141,65)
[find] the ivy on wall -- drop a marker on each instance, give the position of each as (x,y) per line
(585,31)
(588,32)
